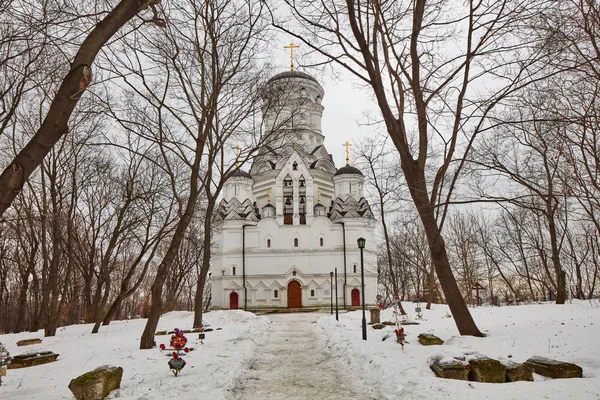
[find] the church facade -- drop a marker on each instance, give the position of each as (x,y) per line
(287,224)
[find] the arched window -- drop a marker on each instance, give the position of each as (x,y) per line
(321,241)
(268,242)
(276,294)
(354,268)
(295,242)
(295,166)
(312,293)
(232,270)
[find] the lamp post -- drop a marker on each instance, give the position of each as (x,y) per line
(331,291)
(361,245)
(337,318)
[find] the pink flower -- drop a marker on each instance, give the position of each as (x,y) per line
(162,346)
(186,350)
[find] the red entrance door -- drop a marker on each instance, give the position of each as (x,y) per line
(233,301)
(294,295)
(355,297)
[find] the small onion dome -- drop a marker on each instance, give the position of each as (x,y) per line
(320,210)
(348,170)
(268,211)
(242,173)
(291,74)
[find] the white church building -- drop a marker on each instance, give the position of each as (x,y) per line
(287,224)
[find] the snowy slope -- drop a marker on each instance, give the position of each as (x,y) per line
(569,333)
(210,369)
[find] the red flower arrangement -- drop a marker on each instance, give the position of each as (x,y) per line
(400,336)
(178,340)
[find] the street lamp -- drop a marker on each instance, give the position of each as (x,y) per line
(331,291)
(361,245)
(337,318)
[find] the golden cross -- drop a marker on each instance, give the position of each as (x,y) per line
(269,196)
(294,143)
(237,155)
(318,195)
(291,46)
(347,146)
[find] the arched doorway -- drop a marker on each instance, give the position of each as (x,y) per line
(294,295)
(355,297)
(233,301)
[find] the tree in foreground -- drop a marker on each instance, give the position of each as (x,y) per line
(423,62)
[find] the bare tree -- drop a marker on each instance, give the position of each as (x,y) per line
(79,76)
(428,96)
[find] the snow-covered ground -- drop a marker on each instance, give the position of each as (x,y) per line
(569,332)
(211,368)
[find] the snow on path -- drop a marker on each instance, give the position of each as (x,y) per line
(293,363)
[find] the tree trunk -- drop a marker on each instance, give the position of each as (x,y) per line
(439,256)
(206,254)
(147,338)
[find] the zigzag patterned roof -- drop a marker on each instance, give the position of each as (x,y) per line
(350,208)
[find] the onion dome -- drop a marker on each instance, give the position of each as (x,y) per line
(348,169)
(241,173)
(291,74)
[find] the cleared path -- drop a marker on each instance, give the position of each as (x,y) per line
(293,364)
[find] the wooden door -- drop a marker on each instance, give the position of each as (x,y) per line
(294,295)
(233,301)
(355,297)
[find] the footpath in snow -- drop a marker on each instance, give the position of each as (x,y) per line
(293,363)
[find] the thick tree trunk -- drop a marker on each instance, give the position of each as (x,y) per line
(439,256)
(147,338)
(206,254)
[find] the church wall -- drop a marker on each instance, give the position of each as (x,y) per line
(270,269)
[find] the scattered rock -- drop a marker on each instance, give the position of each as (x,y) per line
(449,367)
(28,342)
(553,368)
(488,370)
(210,329)
(518,372)
(32,359)
(378,326)
(427,339)
(96,384)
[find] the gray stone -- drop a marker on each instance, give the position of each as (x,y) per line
(96,384)
(554,368)
(375,316)
(28,342)
(449,368)
(378,326)
(427,339)
(488,370)
(32,359)
(518,372)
